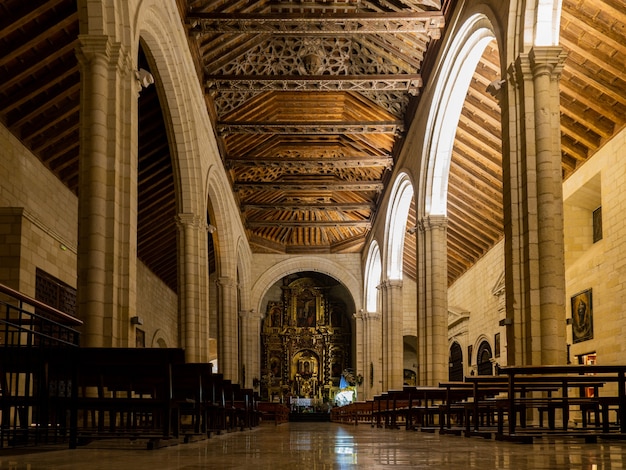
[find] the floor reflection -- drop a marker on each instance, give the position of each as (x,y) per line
(325,446)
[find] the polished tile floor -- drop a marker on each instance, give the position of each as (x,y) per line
(321,446)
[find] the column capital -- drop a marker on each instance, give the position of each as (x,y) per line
(365,316)
(432,222)
(547,61)
(391,284)
(251,314)
(225,281)
(91,48)
(188,219)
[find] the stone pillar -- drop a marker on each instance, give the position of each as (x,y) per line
(374,365)
(432,321)
(107,206)
(228,329)
(361,349)
(193,287)
(250,346)
(533,202)
(393,345)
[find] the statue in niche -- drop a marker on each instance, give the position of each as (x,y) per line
(306,310)
(275,316)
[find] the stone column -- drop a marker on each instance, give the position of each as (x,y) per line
(193,286)
(533,201)
(228,329)
(107,206)
(432,322)
(374,364)
(393,345)
(250,345)
(361,349)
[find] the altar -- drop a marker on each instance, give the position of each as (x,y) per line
(305,345)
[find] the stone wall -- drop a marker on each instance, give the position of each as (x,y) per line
(599,266)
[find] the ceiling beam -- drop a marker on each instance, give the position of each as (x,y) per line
(293,207)
(258,84)
(313,163)
(310,186)
(389,127)
(313,24)
(309,223)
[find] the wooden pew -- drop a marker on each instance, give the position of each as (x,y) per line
(36,388)
(192,387)
(244,405)
(606,380)
(424,406)
(276,412)
(125,393)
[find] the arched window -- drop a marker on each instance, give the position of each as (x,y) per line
(402,195)
(373,272)
(456,363)
(483,359)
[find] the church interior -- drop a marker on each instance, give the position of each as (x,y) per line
(320,210)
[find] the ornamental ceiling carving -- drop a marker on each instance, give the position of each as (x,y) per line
(310,101)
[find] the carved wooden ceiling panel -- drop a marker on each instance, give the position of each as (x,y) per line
(310,100)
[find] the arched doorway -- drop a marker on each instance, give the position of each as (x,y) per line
(483,359)
(306,340)
(456,363)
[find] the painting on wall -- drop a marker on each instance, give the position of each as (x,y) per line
(582,316)
(496,345)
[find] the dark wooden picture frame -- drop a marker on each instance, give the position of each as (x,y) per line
(496,345)
(582,316)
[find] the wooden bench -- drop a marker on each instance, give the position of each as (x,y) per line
(193,393)
(276,412)
(125,393)
(36,388)
(581,377)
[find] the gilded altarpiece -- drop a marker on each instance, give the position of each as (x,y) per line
(306,343)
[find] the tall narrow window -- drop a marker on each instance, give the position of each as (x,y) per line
(597,224)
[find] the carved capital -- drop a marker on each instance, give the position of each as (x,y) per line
(547,61)
(251,314)
(225,281)
(189,220)
(432,222)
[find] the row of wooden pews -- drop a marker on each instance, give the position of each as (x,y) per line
(153,394)
(54,391)
(87,394)
(520,404)
(277,413)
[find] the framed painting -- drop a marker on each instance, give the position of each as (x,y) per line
(582,316)
(496,345)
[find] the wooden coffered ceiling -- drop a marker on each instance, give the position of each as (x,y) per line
(310,101)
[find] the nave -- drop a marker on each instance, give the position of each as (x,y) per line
(316,446)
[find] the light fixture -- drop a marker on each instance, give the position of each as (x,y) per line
(136,320)
(144,77)
(211,228)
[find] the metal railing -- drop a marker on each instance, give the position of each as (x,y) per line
(37,371)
